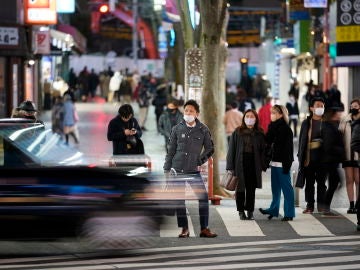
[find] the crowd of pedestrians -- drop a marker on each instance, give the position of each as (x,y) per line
(257,139)
(326,142)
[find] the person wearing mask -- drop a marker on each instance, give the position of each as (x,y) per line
(350,164)
(232,119)
(293,109)
(124,132)
(245,157)
(190,146)
(168,119)
(310,155)
(280,139)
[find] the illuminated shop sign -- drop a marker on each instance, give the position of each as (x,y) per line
(40,11)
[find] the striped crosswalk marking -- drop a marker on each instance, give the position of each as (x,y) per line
(343,212)
(308,225)
(237,227)
(303,224)
(169,227)
(268,254)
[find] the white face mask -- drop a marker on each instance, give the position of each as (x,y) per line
(250,121)
(189,118)
(319,111)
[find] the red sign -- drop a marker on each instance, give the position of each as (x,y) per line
(42,42)
(40,11)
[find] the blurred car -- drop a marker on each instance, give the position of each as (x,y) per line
(44,180)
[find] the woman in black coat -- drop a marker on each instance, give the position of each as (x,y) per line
(279,139)
(245,158)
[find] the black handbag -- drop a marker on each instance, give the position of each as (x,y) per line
(229,181)
(300,178)
(131,140)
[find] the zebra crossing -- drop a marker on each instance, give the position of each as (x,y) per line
(322,253)
(304,225)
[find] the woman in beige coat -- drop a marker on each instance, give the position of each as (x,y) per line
(350,164)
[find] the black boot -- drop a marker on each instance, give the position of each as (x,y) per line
(250,215)
(242,215)
(264,212)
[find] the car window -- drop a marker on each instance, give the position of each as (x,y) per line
(31,144)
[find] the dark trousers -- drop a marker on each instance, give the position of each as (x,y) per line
(295,123)
(245,200)
(198,186)
(315,173)
(333,180)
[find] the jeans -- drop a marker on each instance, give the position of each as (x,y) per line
(281,182)
(315,173)
(198,186)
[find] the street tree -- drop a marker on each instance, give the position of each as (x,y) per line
(209,36)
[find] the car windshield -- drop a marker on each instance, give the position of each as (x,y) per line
(26,144)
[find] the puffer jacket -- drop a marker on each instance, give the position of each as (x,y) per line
(188,147)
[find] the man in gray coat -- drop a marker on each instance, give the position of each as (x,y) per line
(190,146)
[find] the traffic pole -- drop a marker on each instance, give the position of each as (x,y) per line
(215,200)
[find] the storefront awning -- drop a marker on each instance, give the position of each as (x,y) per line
(61,40)
(78,39)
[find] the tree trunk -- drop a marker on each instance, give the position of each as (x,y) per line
(212,18)
(187,30)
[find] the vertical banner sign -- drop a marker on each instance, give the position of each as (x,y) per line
(42,42)
(40,11)
(193,74)
(348,32)
(276,92)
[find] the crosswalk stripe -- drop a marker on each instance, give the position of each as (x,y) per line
(289,263)
(343,211)
(237,227)
(213,257)
(333,267)
(169,227)
(308,225)
(217,262)
(254,243)
(352,243)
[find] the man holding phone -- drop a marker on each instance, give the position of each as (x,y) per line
(125,132)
